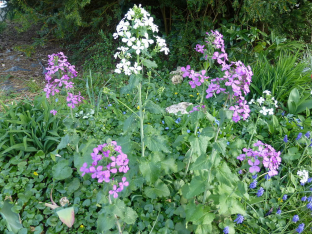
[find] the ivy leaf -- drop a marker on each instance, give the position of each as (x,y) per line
(160,190)
(61,170)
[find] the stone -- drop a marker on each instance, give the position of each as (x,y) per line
(16,68)
(174,109)
(34,65)
(177,77)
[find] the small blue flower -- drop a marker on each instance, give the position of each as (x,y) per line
(255,176)
(295,219)
(163,122)
(157,99)
(166,128)
(304,198)
(283,113)
(300,228)
(285,197)
(285,139)
(217,122)
(124,112)
(188,131)
(309,180)
(260,192)
(228,143)
(279,211)
(240,172)
(307,135)
(239,219)
(178,120)
(253,184)
(56,99)
(299,136)
(309,205)
(267,177)
(226,230)
(109,104)
(309,199)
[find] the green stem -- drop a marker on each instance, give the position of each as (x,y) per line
(201,101)
(188,164)
(117,221)
(302,156)
(141,119)
(253,133)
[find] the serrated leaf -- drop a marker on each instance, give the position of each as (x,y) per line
(220,146)
(153,107)
(130,216)
(130,123)
(64,142)
(150,170)
(205,162)
(160,190)
(149,64)
(134,81)
(194,213)
(168,165)
(67,216)
(61,170)
(196,187)
(156,143)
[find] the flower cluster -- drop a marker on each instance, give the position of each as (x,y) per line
(133,29)
(86,115)
(236,75)
(105,165)
(270,158)
(267,105)
(60,71)
(304,176)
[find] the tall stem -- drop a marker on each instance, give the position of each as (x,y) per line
(253,133)
(141,119)
(201,101)
(117,221)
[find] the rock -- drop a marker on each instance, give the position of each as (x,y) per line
(16,68)
(6,88)
(11,57)
(174,109)
(177,77)
(34,65)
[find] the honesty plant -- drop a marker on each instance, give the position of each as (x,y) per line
(236,75)
(108,160)
(137,32)
(60,71)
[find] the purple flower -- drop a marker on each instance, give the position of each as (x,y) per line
(84,169)
(115,191)
(255,176)
(239,219)
(241,157)
(260,192)
(285,139)
(53,112)
(300,228)
(240,172)
(279,211)
(267,177)
(309,199)
(304,198)
(307,134)
(123,183)
(295,219)
(226,230)
(309,206)
(299,136)
(254,166)
(253,184)
(186,70)
(285,197)
(309,180)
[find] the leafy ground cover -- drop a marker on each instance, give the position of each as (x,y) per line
(106,156)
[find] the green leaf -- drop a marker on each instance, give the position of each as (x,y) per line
(64,142)
(12,219)
(225,175)
(220,146)
(150,170)
(168,165)
(156,143)
(125,143)
(105,222)
(199,144)
(160,190)
(153,107)
(205,162)
(303,106)
(61,170)
(293,154)
(134,81)
(130,123)
(73,186)
(194,213)
(130,216)
(67,216)
(196,187)
(149,64)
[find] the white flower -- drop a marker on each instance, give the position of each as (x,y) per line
(267,92)
(161,42)
(122,26)
(264,111)
(138,23)
(124,63)
(80,112)
(128,39)
(147,41)
(260,100)
(165,49)
(311,92)
(136,68)
(271,111)
(117,71)
(91,111)
(251,101)
(303,175)
(138,47)
(149,21)
(129,14)
(123,48)
(116,55)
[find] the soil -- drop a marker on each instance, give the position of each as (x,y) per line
(19,85)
